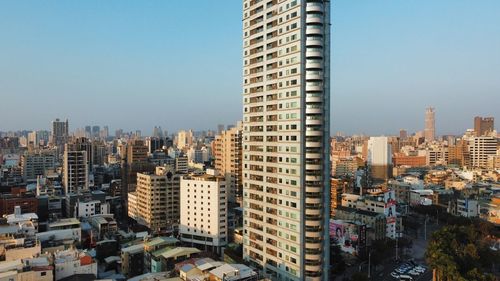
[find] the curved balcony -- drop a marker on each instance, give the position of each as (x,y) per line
(314,30)
(314,42)
(314,75)
(313,245)
(313,167)
(313,143)
(313,133)
(313,257)
(318,234)
(311,64)
(314,18)
(314,53)
(313,268)
(313,178)
(313,155)
(314,87)
(313,189)
(313,212)
(314,7)
(314,122)
(314,200)
(313,98)
(316,277)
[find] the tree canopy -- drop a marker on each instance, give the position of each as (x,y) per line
(461,253)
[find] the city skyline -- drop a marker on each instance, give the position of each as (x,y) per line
(250,140)
(112,55)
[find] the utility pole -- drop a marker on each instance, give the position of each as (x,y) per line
(425,227)
(397,239)
(369,263)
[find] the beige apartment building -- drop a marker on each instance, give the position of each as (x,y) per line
(227,151)
(155,203)
(286,148)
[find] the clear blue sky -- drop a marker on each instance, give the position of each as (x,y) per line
(137,64)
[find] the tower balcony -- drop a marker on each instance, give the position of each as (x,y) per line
(314,7)
(314,30)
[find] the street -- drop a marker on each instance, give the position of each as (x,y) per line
(417,253)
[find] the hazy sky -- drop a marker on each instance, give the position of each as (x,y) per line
(177,64)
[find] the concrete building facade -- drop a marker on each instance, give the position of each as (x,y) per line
(286,73)
(204,221)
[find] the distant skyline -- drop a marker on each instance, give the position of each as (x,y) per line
(177,64)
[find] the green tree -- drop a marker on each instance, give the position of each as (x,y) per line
(458,253)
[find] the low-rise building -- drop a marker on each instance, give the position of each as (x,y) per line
(468,208)
(35,269)
(73,262)
(376,223)
(132,258)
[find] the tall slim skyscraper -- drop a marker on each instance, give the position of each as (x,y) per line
(95,131)
(286,187)
(59,132)
(75,169)
(430,124)
(227,151)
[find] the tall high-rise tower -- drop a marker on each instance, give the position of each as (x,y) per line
(59,132)
(286,72)
(430,124)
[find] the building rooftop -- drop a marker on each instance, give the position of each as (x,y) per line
(179,251)
(361,212)
(64,222)
(16,218)
(229,272)
(161,276)
(134,249)
(162,240)
(111,259)
(11,265)
(204,177)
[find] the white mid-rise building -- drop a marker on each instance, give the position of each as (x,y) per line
(91,208)
(480,148)
(204,211)
(379,157)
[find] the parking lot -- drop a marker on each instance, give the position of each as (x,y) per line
(412,269)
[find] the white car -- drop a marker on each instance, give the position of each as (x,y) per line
(419,269)
(413,272)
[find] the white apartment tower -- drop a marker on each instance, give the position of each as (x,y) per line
(286,169)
